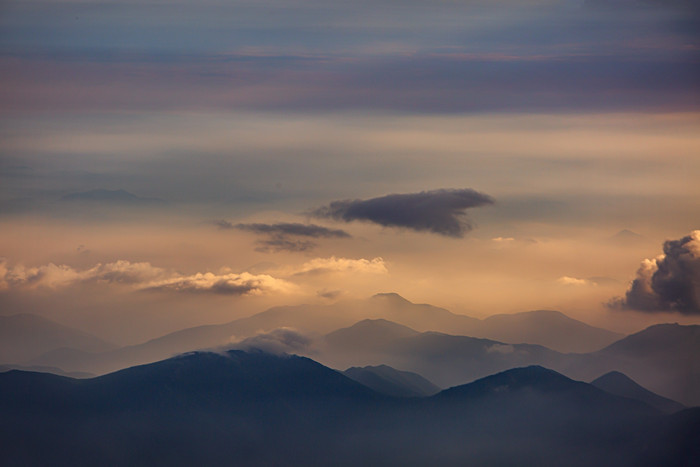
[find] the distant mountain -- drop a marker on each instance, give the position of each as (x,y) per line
(546,328)
(110,197)
(310,318)
(46,369)
(552,329)
(368,335)
(24,337)
(443,359)
(662,358)
(258,409)
(392,382)
(617,383)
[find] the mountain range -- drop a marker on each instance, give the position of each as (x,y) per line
(547,328)
(660,358)
(253,408)
(24,337)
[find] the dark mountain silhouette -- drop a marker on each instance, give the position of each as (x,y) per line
(617,383)
(251,408)
(392,382)
(26,336)
(661,358)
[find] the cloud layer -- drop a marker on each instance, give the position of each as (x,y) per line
(333,264)
(139,276)
(278,341)
(281,236)
(669,282)
(437,211)
(296,229)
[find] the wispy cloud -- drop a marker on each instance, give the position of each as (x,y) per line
(139,276)
(284,236)
(333,264)
(226,284)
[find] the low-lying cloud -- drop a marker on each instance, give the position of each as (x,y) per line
(285,236)
(278,341)
(333,264)
(295,229)
(139,276)
(441,212)
(56,276)
(226,284)
(669,282)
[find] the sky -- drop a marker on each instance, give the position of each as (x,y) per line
(169,164)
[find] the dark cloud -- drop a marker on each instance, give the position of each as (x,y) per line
(329,294)
(278,243)
(223,224)
(296,229)
(279,235)
(670,282)
(438,211)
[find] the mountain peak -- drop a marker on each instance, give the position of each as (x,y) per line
(391,297)
(369,333)
(620,384)
(534,377)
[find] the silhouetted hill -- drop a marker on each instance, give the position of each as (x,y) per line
(46,369)
(26,336)
(662,358)
(443,359)
(392,382)
(549,328)
(617,383)
(368,334)
(539,327)
(251,408)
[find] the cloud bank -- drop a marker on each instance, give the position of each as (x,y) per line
(139,276)
(333,264)
(669,282)
(437,211)
(278,341)
(226,284)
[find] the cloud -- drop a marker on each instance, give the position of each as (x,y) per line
(329,294)
(669,282)
(437,211)
(566,280)
(333,264)
(226,284)
(589,281)
(294,229)
(504,349)
(223,224)
(278,341)
(278,235)
(56,276)
(139,276)
(274,245)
